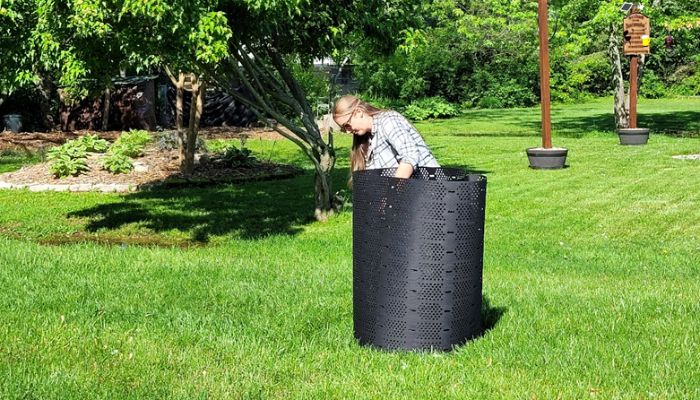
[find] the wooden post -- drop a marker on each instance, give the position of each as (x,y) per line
(633,90)
(544,76)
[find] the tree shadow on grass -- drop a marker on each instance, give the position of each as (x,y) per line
(675,123)
(194,216)
(248,211)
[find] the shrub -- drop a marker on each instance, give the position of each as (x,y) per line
(68,159)
(168,140)
(507,94)
(235,158)
(652,87)
(131,144)
(117,163)
(93,143)
(689,86)
(430,107)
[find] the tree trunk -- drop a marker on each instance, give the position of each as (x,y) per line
(621,101)
(46,89)
(275,93)
(107,109)
(196,110)
(323,184)
(179,125)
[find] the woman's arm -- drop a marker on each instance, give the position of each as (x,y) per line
(405,170)
(399,136)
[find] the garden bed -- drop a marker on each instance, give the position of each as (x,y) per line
(156,169)
(36,141)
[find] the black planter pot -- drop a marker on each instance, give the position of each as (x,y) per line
(12,122)
(417,258)
(633,136)
(541,158)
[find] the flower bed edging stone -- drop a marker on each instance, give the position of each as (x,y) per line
(82,187)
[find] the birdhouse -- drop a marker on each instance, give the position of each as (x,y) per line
(637,33)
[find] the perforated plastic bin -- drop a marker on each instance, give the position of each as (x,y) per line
(417,258)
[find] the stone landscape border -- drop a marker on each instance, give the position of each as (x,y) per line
(76,187)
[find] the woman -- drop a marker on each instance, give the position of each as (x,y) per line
(381,138)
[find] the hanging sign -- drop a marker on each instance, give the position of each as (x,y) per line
(637,33)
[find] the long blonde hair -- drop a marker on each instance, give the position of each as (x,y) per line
(360,143)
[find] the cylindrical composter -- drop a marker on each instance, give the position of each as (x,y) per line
(417,257)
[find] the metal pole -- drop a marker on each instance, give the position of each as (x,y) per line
(633,90)
(544,76)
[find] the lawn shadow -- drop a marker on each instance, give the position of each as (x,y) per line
(248,211)
(489,315)
(470,169)
(675,123)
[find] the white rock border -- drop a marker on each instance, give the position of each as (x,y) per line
(80,187)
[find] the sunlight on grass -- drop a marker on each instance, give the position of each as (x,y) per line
(591,272)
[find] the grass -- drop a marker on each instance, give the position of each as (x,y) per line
(13,160)
(590,272)
(674,117)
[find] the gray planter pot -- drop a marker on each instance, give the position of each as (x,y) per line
(13,122)
(541,158)
(633,136)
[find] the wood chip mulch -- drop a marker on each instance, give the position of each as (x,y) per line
(157,168)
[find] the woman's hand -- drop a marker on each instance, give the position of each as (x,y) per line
(404,170)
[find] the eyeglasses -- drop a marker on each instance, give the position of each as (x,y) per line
(346,126)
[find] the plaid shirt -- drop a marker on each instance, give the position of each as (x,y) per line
(395,140)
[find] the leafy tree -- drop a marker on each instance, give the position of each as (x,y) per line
(16,67)
(268,37)
(232,43)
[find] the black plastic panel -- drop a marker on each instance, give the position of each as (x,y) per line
(417,258)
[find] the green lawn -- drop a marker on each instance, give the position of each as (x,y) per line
(591,276)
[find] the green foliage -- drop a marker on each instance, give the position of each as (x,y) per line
(168,140)
(486,53)
(117,163)
(234,157)
(94,144)
(69,159)
(211,37)
(507,94)
(651,86)
(131,144)
(431,107)
(688,86)
(315,84)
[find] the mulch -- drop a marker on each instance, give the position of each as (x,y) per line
(157,168)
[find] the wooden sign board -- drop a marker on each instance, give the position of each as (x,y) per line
(637,33)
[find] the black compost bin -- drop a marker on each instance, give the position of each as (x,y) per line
(418,249)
